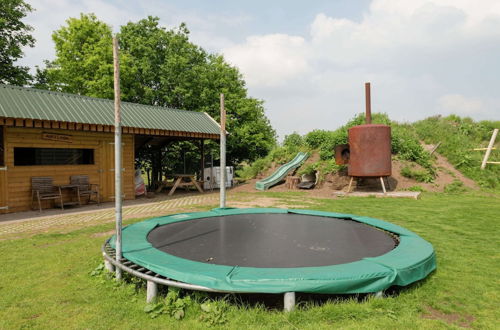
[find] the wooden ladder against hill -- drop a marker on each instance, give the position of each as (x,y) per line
(488,150)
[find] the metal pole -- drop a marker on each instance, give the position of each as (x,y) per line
(368,103)
(222,152)
(488,150)
(289,301)
(118,158)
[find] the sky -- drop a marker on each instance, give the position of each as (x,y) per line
(309,60)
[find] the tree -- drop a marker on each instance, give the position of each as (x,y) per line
(84,59)
(14,35)
(163,68)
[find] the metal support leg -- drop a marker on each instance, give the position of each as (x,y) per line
(151,292)
(383,185)
(289,301)
(109,266)
(379,294)
(350,184)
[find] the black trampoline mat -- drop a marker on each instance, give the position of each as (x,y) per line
(271,240)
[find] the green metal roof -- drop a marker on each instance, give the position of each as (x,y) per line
(30,103)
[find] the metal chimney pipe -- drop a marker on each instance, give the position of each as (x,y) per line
(368,104)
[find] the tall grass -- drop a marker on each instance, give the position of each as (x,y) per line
(458,136)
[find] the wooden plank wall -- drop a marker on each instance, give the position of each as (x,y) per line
(101,172)
(3,175)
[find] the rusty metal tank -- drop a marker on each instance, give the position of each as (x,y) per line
(370,151)
(369,146)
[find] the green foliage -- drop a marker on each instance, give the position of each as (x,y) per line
(84,59)
(293,141)
(159,67)
(214,312)
(416,188)
(14,35)
(455,187)
(458,136)
(173,305)
(420,175)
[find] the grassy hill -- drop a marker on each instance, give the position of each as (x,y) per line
(458,136)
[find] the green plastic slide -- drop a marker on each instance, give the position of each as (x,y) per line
(281,172)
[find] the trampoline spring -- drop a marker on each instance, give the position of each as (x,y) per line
(142,269)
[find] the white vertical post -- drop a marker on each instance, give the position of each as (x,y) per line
(222,153)
(118,157)
(151,291)
(289,301)
(488,150)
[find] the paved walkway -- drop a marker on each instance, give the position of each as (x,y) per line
(34,223)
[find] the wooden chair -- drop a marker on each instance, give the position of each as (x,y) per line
(42,188)
(84,187)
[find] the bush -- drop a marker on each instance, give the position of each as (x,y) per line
(420,175)
(293,141)
(416,188)
(455,187)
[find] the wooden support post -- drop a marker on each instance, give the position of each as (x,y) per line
(202,159)
(350,184)
(383,185)
(488,150)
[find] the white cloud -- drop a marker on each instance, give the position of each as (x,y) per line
(421,56)
(459,104)
(270,60)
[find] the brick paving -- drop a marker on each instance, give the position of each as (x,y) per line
(76,219)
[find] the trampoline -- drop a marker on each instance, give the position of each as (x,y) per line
(273,251)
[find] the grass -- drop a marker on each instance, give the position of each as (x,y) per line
(46,283)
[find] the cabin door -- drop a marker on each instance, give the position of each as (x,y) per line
(108,170)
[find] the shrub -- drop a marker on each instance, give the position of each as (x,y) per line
(416,188)
(455,187)
(420,175)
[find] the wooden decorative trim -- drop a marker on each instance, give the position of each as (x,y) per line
(37,123)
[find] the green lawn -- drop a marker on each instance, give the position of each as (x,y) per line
(46,283)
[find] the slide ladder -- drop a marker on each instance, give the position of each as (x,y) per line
(281,172)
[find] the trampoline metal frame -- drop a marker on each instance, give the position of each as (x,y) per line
(154,279)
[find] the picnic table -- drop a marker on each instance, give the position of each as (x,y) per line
(180,180)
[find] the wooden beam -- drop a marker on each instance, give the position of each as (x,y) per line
(488,150)
(86,127)
(19,123)
(28,123)
(46,124)
(93,128)
(64,125)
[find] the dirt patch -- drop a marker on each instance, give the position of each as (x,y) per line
(103,234)
(445,175)
(270,202)
(464,321)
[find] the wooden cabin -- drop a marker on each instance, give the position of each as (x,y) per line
(54,134)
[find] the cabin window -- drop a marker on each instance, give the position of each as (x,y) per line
(2,148)
(52,156)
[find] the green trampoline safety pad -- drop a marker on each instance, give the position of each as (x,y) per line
(269,250)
